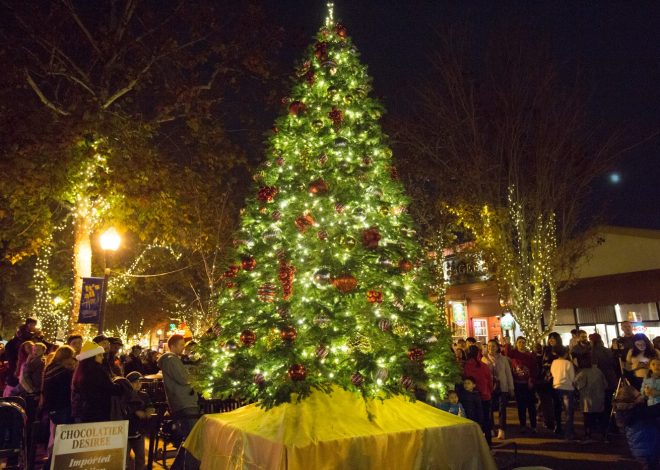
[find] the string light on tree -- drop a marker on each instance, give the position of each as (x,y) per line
(521,254)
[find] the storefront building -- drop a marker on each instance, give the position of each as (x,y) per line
(619,280)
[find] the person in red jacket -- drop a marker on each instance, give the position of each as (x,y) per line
(524,369)
(483,379)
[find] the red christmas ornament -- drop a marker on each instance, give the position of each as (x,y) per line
(322,235)
(259,379)
(279,161)
(384,324)
(248,263)
(309,77)
(344,283)
(248,338)
(394,173)
(230,284)
(296,108)
(297,372)
(406,382)
(266,292)
(370,237)
(318,187)
(357,379)
(231,271)
(283,311)
(405,265)
(267,193)
(288,333)
(416,354)
(286,276)
(374,296)
(304,222)
(274,129)
(336,115)
(321,51)
(340,30)
(322,352)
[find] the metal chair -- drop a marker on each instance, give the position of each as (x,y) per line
(217,405)
(13,434)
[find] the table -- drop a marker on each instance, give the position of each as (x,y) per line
(339,431)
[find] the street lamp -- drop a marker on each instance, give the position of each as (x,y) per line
(110,241)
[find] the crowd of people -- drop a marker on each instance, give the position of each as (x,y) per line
(550,382)
(91,381)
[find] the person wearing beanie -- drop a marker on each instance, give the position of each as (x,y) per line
(134,361)
(136,407)
(91,388)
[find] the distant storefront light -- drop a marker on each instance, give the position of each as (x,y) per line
(507,321)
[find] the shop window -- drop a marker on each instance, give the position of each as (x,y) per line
(564,316)
(480,330)
(593,315)
(458,319)
(636,312)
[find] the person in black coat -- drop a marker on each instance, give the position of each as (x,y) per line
(56,390)
(92,389)
(134,361)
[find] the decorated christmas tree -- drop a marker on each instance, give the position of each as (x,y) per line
(329,286)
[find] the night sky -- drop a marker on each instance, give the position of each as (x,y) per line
(614,45)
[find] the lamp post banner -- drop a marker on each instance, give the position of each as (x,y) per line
(91,301)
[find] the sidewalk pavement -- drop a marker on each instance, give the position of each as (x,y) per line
(545,449)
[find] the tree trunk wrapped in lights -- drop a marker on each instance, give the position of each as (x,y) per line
(522,255)
(328,206)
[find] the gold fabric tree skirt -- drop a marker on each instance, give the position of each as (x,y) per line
(333,431)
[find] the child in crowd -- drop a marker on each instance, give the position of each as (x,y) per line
(591,384)
(33,370)
(136,407)
(471,400)
(651,384)
(452,405)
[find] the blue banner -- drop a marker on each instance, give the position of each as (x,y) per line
(91,301)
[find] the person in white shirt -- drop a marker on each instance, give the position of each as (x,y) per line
(563,376)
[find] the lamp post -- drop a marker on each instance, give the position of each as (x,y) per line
(110,241)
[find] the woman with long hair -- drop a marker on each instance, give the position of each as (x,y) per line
(91,387)
(550,404)
(24,352)
(500,368)
(639,358)
(56,392)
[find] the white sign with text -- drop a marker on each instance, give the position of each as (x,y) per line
(90,446)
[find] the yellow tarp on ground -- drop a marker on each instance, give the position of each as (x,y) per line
(334,432)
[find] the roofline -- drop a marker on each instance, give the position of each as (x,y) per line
(630,231)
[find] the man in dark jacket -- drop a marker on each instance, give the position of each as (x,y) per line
(133,361)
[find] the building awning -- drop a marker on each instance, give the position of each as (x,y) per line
(482,298)
(626,288)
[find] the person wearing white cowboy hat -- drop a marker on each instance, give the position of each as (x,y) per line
(91,388)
